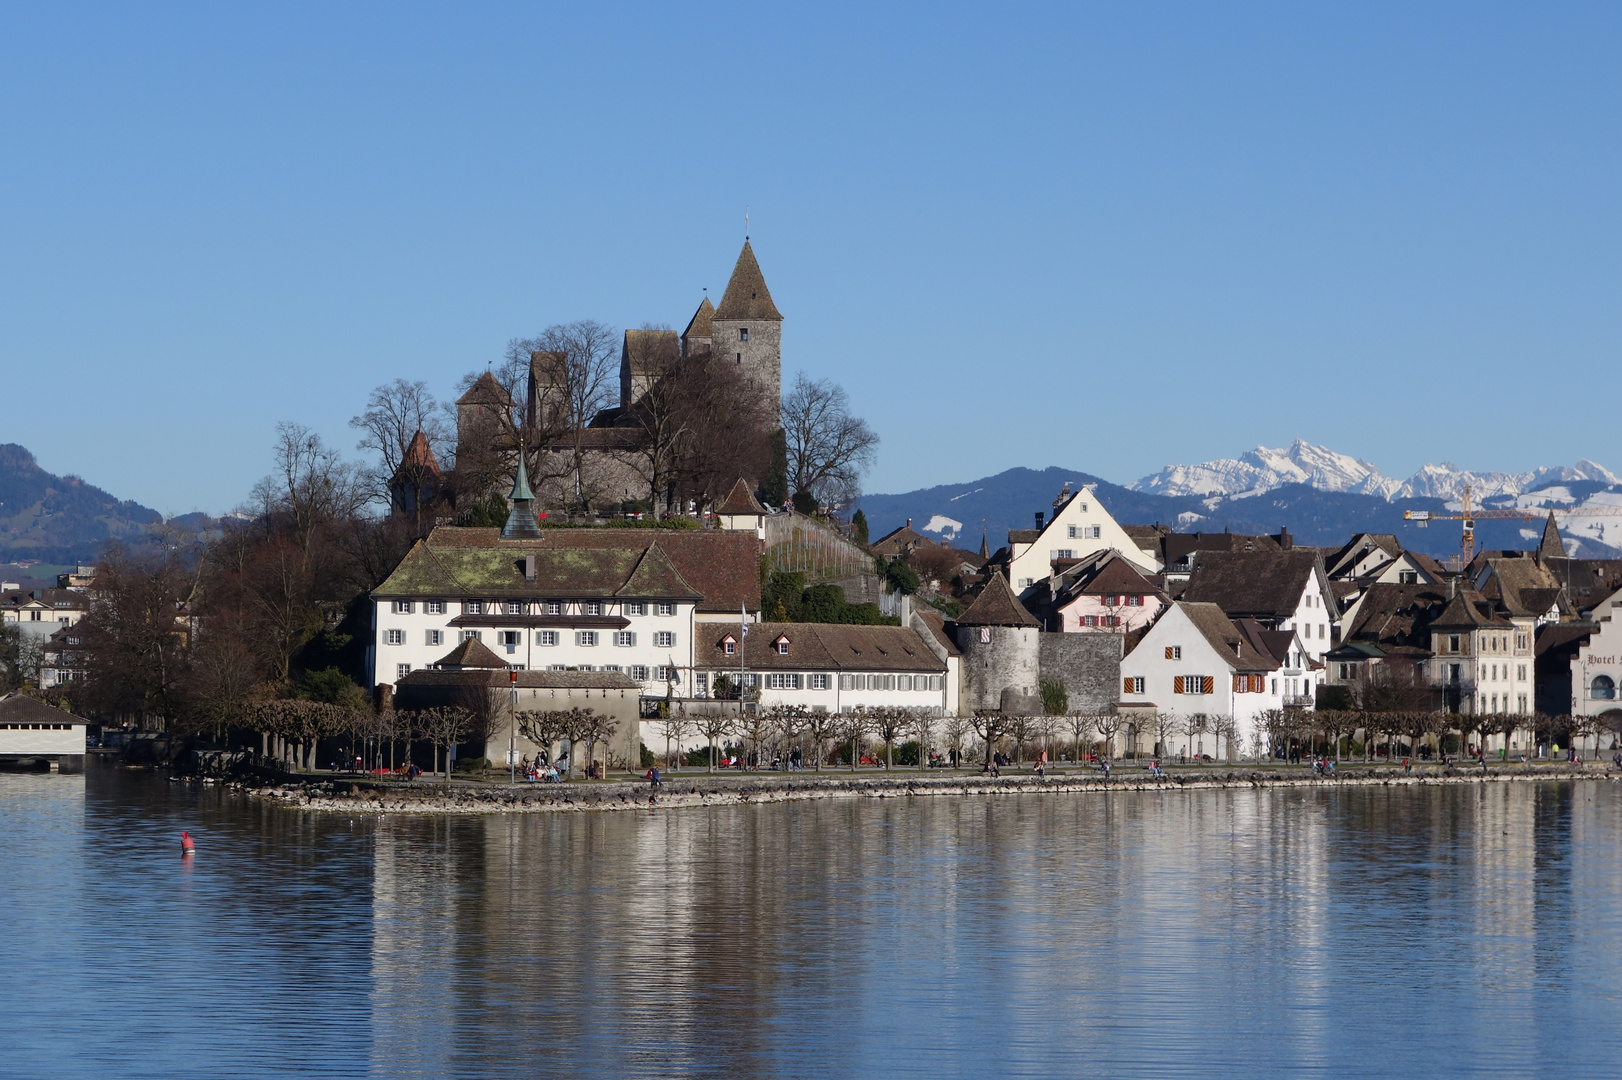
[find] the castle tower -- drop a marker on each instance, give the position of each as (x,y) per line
(1001,647)
(747,330)
(695,340)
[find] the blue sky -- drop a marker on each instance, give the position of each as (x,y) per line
(1104,237)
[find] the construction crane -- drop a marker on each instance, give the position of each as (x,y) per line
(1470,516)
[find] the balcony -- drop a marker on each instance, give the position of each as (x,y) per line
(1301,701)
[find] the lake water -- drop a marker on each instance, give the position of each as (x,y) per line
(1445,931)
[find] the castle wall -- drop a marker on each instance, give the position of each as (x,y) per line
(1089,665)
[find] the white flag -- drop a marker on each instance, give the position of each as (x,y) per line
(743,620)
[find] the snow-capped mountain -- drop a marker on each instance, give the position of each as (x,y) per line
(1263,469)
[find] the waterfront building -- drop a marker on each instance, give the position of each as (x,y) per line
(1285,589)
(1196,660)
(1079,524)
(825,667)
(33,734)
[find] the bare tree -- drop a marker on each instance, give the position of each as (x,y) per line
(542,727)
(989,725)
(395,412)
(957,730)
(1194,726)
(1108,726)
(828,448)
(599,728)
(1163,725)
(820,726)
(888,723)
(1079,723)
(571,374)
(923,726)
(442,726)
(676,725)
(853,726)
(713,726)
(312,484)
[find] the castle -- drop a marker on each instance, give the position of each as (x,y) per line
(600,462)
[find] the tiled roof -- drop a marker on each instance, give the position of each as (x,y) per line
(419,454)
(1180,544)
(1550,546)
(1266,584)
(471,653)
(936,622)
(997,606)
(22,709)
(1227,639)
(649,352)
(1023,536)
(1394,615)
(474,562)
(485,391)
(896,541)
(746,296)
(699,326)
(816,647)
(740,500)
(1468,611)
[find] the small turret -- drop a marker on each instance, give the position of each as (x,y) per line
(521,523)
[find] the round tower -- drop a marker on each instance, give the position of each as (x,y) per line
(1001,650)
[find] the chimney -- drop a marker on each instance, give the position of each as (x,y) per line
(1285,540)
(1039,521)
(909,523)
(529,567)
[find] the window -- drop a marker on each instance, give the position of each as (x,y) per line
(557,667)
(515,607)
(584,667)
(1323,630)
(1408,577)
(435,637)
(1520,672)
(729,645)
(1026,582)
(819,682)
(664,607)
(612,667)
(402,607)
(472,607)
(847,682)
(1193,684)
(782,646)
(783,680)
(1520,703)
(1132,684)
(591,607)
(476,635)
(510,638)
(1064,553)
(546,637)
(434,607)
(1073,533)
(585,638)
(624,638)
(394,637)
(1089,620)
(639,672)
(1453,643)
(1174,652)
(552,607)
(1134,601)
(743,333)
(1603,687)
(664,639)
(401,670)
(904,682)
(1346,671)
(666,673)
(1520,642)
(635,607)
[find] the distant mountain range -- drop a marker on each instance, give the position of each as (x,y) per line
(59,519)
(1263,469)
(1323,497)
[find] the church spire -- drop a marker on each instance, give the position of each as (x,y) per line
(1551,545)
(521,518)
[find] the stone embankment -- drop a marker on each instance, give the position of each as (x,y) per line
(686,789)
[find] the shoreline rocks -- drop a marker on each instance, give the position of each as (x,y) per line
(684,790)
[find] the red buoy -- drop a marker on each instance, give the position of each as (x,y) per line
(186,845)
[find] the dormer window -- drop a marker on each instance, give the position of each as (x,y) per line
(729,645)
(781,645)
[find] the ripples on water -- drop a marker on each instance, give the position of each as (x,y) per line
(1367,932)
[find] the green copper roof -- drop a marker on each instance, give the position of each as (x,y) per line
(496,570)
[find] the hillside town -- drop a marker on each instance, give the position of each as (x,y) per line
(680,553)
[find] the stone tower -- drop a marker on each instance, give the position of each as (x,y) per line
(1001,644)
(747,330)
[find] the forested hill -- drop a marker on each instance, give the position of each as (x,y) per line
(59,519)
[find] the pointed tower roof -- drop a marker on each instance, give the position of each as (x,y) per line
(740,500)
(997,606)
(485,391)
(521,518)
(1551,545)
(471,653)
(699,327)
(985,548)
(746,296)
(419,454)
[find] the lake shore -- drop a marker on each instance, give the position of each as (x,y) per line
(685,789)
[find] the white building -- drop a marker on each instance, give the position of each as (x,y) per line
(826,667)
(43,611)
(1196,660)
(32,731)
(1079,525)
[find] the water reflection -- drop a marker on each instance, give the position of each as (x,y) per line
(1394,931)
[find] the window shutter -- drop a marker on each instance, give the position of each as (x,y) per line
(1239,682)
(1168,657)
(1126,686)
(1176,683)
(1209,686)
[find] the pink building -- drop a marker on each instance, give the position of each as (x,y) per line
(1104,593)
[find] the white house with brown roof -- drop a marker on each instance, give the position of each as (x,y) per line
(1282,590)
(1104,593)
(1079,525)
(1195,660)
(43,611)
(827,667)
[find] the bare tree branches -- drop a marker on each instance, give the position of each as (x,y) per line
(395,412)
(828,448)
